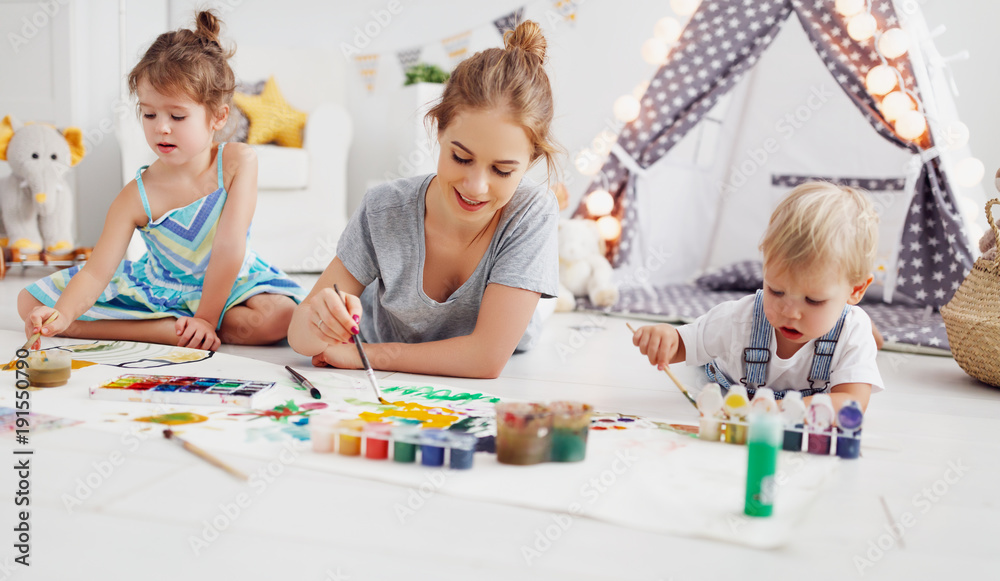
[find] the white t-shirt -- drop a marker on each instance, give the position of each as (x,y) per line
(722,333)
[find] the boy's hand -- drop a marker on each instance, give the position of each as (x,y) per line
(196,333)
(330,320)
(36,319)
(657,342)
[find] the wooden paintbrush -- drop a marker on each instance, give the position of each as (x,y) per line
(673,377)
(170,435)
(358,339)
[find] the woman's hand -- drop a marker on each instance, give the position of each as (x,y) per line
(196,333)
(340,356)
(35,323)
(330,321)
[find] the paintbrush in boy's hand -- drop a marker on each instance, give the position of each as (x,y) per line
(677,382)
(364,358)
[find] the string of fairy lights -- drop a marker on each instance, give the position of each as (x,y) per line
(900,106)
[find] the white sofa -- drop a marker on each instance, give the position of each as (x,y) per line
(301,193)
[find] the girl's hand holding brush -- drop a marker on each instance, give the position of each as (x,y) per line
(44,322)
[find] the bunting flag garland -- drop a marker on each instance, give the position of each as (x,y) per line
(457,47)
(510,21)
(368,67)
(409,57)
(567,9)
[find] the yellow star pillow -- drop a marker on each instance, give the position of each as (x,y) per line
(271,117)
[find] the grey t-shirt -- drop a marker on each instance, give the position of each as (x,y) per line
(383,248)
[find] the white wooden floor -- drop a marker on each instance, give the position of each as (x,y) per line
(930,472)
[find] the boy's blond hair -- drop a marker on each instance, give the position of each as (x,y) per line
(823,223)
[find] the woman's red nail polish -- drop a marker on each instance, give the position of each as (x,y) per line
(354,330)
(357,318)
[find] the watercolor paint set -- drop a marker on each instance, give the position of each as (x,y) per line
(178,389)
(406,444)
(815,428)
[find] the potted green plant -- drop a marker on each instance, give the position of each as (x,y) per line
(425,73)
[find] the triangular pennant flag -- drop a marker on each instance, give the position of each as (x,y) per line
(409,57)
(510,21)
(457,47)
(368,67)
(566,9)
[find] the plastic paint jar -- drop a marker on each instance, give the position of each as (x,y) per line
(432,443)
(321,432)
(570,426)
(462,450)
(49,368)
(524,433)
(349,437)
(764,441)
(404,448)
(377,440)
(849,419)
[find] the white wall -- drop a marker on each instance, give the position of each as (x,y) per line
(592,62)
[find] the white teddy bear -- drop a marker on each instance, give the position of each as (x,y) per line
(583,269)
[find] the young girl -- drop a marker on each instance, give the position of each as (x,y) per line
(198,284)
(442,273)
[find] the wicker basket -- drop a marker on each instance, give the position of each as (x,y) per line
(972,317)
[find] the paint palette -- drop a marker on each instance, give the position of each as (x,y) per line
(181,390)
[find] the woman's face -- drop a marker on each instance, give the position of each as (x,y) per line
(483,157)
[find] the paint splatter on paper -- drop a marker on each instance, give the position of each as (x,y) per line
(175,419)
(132,355)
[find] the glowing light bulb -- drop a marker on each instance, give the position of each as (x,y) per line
(911,125)
(684,7)
(849,7)
(861,26)
(968,172)
(895,104)
(626,108)
(655,51)
(894,43)
(881,79)
(609,227)
(600,203)
(668,29)
(601,145)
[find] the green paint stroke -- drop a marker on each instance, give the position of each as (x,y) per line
(431,394)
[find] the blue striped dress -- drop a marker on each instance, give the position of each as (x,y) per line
(167,281)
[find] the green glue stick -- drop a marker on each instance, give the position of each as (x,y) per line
(764,441)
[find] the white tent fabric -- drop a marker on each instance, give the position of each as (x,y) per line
(752,102)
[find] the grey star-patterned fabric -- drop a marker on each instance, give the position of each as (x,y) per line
(723,40)
(869,184)
(746,275)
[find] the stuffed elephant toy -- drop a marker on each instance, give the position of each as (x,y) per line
(36,202)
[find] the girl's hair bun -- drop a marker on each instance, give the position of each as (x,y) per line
(207,26)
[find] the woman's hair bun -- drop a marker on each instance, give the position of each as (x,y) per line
(207,26)
(528,37)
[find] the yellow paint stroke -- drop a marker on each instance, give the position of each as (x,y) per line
(429,417)
(80,364)
(175,419)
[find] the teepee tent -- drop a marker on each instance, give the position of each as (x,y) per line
(752,101)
